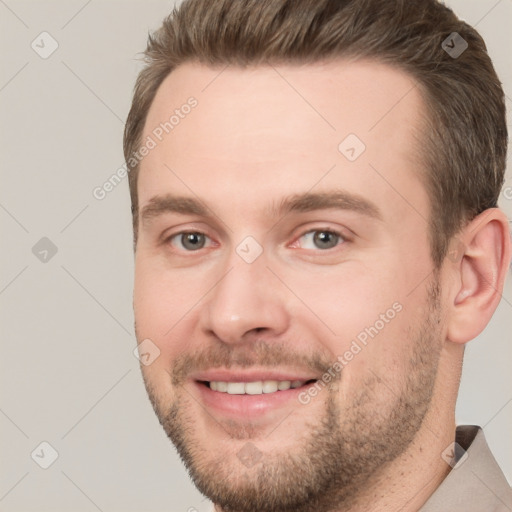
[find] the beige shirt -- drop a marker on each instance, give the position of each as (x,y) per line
(476,483)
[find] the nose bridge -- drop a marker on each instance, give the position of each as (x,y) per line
(245,299)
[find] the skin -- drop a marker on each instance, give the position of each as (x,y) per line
(252,141)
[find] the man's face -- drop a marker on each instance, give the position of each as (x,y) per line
(271,257)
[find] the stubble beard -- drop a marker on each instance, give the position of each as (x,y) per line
(338,456)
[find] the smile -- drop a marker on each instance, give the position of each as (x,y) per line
(254,388)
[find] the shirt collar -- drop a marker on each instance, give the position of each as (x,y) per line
(475,482)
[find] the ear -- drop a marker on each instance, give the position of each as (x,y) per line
(479,260)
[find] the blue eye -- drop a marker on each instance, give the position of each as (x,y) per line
(191,241)
(320,239)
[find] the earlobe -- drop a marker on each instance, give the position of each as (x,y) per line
(484,250)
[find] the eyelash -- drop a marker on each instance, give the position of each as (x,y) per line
(342,238)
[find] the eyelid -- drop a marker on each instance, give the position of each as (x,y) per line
(186,227)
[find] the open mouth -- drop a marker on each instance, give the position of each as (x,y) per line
(256,396)
(259,387)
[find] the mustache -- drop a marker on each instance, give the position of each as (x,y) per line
(259,353)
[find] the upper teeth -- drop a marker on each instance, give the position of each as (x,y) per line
(254,388)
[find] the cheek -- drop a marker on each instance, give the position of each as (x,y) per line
(362,314)
(348,298)
(165,306)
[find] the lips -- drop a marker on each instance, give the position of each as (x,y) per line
(250,395)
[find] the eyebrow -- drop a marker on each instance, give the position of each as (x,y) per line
(159,205)
(337,199)
(307,202)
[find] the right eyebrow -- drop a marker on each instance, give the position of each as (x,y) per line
(158,205)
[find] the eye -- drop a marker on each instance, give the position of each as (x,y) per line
(320,239)
(189,241)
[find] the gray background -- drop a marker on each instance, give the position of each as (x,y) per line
(68,374)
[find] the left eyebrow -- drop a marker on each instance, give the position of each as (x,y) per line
(339,199)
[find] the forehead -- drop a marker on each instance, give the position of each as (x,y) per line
(334,96)
(255,132)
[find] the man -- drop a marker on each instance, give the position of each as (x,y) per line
(314,190)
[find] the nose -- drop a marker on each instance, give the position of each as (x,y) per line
(246,301)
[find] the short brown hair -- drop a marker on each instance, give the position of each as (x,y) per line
(465,135)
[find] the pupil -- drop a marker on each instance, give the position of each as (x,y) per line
(325,240)
(193,241)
